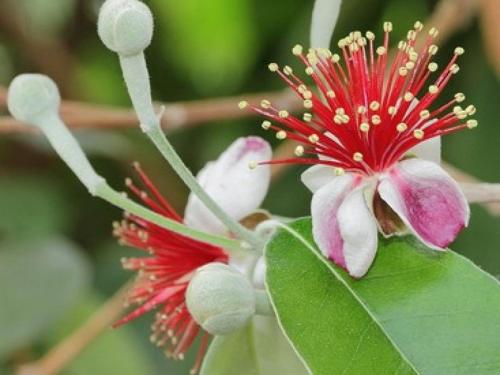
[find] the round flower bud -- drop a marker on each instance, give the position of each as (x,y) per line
(220,299)
(31,96)
(125,26)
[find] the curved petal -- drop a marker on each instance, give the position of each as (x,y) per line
(317,176)
(428,150)
(358,229)
(428,201)
(324,209)
(324,17)
(238,189)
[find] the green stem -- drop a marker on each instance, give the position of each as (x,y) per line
(105,192)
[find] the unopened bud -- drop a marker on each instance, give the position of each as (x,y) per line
(125,26)
(32,96)
(220,299)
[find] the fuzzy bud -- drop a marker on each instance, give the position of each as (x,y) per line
(32,96)
(125,26)
(220,299)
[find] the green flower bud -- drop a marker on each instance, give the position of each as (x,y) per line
(32,96)
(220,299)
(125,26)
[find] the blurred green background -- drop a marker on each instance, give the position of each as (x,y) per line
(58,259)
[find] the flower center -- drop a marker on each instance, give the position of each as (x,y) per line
(367,110)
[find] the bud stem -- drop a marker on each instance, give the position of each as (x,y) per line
(107,193)
(136,78)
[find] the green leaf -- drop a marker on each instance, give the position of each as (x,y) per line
(39,282)
(114,351)
(258,349)
(417,311)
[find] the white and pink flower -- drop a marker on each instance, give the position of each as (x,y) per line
(374,143)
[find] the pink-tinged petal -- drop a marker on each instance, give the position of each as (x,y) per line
(238,189)
(324,210)
(358,229)
(428,201)
(317,176)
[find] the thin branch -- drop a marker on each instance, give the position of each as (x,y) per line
(66,351)
(182,114)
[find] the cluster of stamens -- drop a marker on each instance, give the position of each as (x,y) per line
(367,112)
(163,276)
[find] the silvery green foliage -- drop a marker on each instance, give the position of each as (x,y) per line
(220,299)
(125,26)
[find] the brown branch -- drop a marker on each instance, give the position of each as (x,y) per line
(176,115)
(62,354)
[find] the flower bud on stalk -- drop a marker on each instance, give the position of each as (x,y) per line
(35,100)
(220,299)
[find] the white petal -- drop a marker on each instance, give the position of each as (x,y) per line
(428,150)
(324,17)
(427,200)
(317,176)
(238,189)
(324,208)
(358,229)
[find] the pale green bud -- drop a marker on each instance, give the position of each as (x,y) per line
(125,26)
(220,299)
(32,96)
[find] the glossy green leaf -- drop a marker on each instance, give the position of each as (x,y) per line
(115,351)
(258,349)
(417,311)
(39,282)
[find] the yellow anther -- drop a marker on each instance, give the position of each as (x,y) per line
(433,32)
(243,104)
(266,124)
(307,117)
(418,133)
(387,27)
(425,114)
(252,164)
(401,127)
(471,124)
(265,103)
(408,97)
(459,97)
(413,56)
(342,43)
(339,171)
(281,134)
(340,111)
(344,118)
(330,94)
(410,65)
(299,150)
(401,45)
(432,66)
(471,110)
(418,26)
(273,67)
(308,104)
(287,70)
(433,49)
(307,94)
(302,88)
(361,109)
(313,138)
(335,58)
(454,68)
(357,156)
(374,105)
(403,72)
(283,114)
(433,89)
(337,119)
(381,51)
(457,109)
(370,36)
(459,51)
(309,71)
(391,110)
(297,50)
(364,127)
(376,120)
(411,35)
